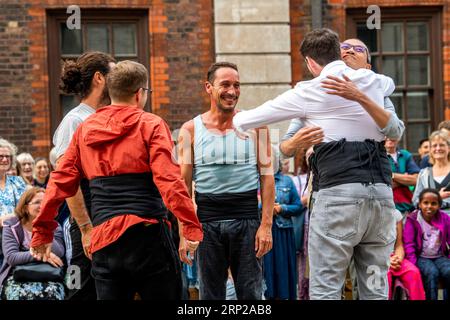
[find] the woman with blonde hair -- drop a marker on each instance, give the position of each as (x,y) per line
(437,176)
(11,187)
(16,248)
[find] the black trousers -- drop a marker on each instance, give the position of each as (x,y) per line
(87,284)
(143,260)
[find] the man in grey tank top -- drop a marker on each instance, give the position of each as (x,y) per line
(225,170)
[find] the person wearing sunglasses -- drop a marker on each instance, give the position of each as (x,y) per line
(356,55)
(352,212)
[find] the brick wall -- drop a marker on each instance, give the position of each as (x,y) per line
(300,15)
(181,50)
(15,78)
(181,38)
(189,45)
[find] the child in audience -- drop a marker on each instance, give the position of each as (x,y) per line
(427,241)
(403,269)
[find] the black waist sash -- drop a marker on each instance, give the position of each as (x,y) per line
(214,207)
(85,190)
(340,162)
(134,193)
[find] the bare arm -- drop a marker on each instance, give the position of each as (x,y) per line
(81,216)
(398,247)
(185,160)
(399,252)
(303,139)
(263,241)
(405,179)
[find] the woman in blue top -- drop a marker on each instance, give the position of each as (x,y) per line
(280,271)
(11,187)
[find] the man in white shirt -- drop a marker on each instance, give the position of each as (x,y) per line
(352,213)
(356,55)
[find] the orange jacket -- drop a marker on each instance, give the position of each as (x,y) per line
(118,140)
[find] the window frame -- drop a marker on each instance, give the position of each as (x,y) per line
(56,16)
(432,14)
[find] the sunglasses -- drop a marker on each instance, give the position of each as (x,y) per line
(357,48)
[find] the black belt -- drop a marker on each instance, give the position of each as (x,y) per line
(125,194)
(340,162)
(213,207)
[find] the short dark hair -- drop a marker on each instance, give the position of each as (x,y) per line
(422,141)
(431,190)
(322,45)
(211,75)
(77,75)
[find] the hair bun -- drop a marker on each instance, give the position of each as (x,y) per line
(71,78)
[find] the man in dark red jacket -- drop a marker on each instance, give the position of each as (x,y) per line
(126,154)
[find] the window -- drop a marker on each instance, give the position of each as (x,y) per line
(122,34)
(407,48)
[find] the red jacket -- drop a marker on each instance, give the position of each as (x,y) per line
(118,140)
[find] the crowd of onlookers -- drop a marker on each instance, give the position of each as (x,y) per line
(23,180)
(419,263)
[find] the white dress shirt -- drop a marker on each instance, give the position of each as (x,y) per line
(338,117)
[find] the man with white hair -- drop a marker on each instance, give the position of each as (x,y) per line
(26,162)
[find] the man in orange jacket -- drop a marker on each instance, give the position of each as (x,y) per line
(126,154)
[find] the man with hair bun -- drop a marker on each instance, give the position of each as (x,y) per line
(126,155)
(86,78)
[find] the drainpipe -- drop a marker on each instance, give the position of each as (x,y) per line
(316,14)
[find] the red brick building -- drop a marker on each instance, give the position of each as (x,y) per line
(175,39)
(172,38)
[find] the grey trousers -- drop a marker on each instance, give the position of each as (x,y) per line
(351,220)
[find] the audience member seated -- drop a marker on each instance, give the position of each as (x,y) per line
(41,173)
(437,176)
(27,166)
(423,150)
(404,175)
(16,241)
(404,270)
(427,242)
(444,125)
(11,187)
